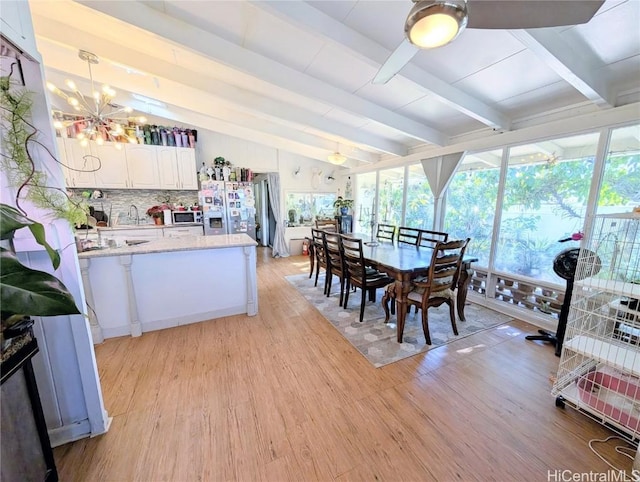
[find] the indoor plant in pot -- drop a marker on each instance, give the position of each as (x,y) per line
(24,291)
(343,205)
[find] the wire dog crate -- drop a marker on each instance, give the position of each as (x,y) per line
(599,371)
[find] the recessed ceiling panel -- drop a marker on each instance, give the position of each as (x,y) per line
(512,76)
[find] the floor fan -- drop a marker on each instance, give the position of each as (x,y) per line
(564,265)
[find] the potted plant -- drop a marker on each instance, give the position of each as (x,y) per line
(24,291)
(156,212)
(343,205)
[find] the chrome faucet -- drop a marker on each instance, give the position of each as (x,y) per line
(135,209)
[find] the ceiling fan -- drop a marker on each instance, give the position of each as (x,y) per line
(433,23)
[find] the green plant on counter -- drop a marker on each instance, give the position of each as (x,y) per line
(18,165)
(24,291)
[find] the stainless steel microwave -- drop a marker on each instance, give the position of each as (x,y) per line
(186,217)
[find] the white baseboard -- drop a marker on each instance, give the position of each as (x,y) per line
(125,330)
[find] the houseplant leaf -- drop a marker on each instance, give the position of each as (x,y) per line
(27,291)
(11,220)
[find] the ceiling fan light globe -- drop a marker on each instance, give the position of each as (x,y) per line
(432,24)
(337,158)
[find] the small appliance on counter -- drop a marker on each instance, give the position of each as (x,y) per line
(191,217)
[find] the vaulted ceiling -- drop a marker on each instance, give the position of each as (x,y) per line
(297,75)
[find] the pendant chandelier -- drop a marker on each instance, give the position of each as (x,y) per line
(95,118)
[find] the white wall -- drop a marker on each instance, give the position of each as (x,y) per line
(65,368)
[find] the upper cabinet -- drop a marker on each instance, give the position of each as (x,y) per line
(177,166)
(187,168)
(135,166)
(142,165)
(78,163)
(113,166)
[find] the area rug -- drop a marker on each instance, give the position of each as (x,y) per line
(375,339)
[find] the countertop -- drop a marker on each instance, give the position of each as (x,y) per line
(187,243)
(145,226)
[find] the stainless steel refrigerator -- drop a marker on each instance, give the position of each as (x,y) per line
(214,207)
(228,207)
(241,208)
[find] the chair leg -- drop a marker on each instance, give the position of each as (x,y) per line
(363,300)
(317,274)
(329,283)
(341,290)
(453,317)
(425,326)
(346,294)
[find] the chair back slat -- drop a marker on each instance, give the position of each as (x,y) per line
(386,232)
(330,225)
(317,238)
(409,236)
(352,257)
(445,267)
(332,248)
(429,239)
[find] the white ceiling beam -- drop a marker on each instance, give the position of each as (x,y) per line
(244,60)
(221,97)
(574,62)
(331,30)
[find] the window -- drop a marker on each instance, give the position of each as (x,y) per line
(620,188)
(304,207)
(419,205)
(545,198)
(391,190)
(471,202)
(366,191)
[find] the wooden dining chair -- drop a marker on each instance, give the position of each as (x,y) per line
(334,262)
(428,239)
(360,275)
(437,287)
(317,239)
(386,232)
(408,236)
(330,225)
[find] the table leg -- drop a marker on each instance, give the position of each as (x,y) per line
(463,285)
(401,308)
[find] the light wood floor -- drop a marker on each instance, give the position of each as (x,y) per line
(283,397)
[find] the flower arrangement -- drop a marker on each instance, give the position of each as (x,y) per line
(156,211)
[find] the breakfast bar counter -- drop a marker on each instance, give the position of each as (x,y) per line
(144,285)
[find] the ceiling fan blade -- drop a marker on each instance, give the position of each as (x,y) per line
(521,14)
(396,61)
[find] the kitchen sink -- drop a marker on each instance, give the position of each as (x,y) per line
(133,242)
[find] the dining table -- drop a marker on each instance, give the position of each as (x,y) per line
(404,263)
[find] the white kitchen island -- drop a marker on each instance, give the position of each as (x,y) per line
(168,282)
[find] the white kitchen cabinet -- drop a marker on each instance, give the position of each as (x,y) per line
(79,164)
(181,231)
(168,168)
(187,175)
(142,166)
(113,166)
(134,166)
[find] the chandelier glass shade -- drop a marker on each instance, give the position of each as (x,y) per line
(94,118)
(433,24)
(337,158)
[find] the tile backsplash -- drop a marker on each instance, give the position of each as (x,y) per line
(117,203)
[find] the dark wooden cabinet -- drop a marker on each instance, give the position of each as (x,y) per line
(345,224)
(25,447)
